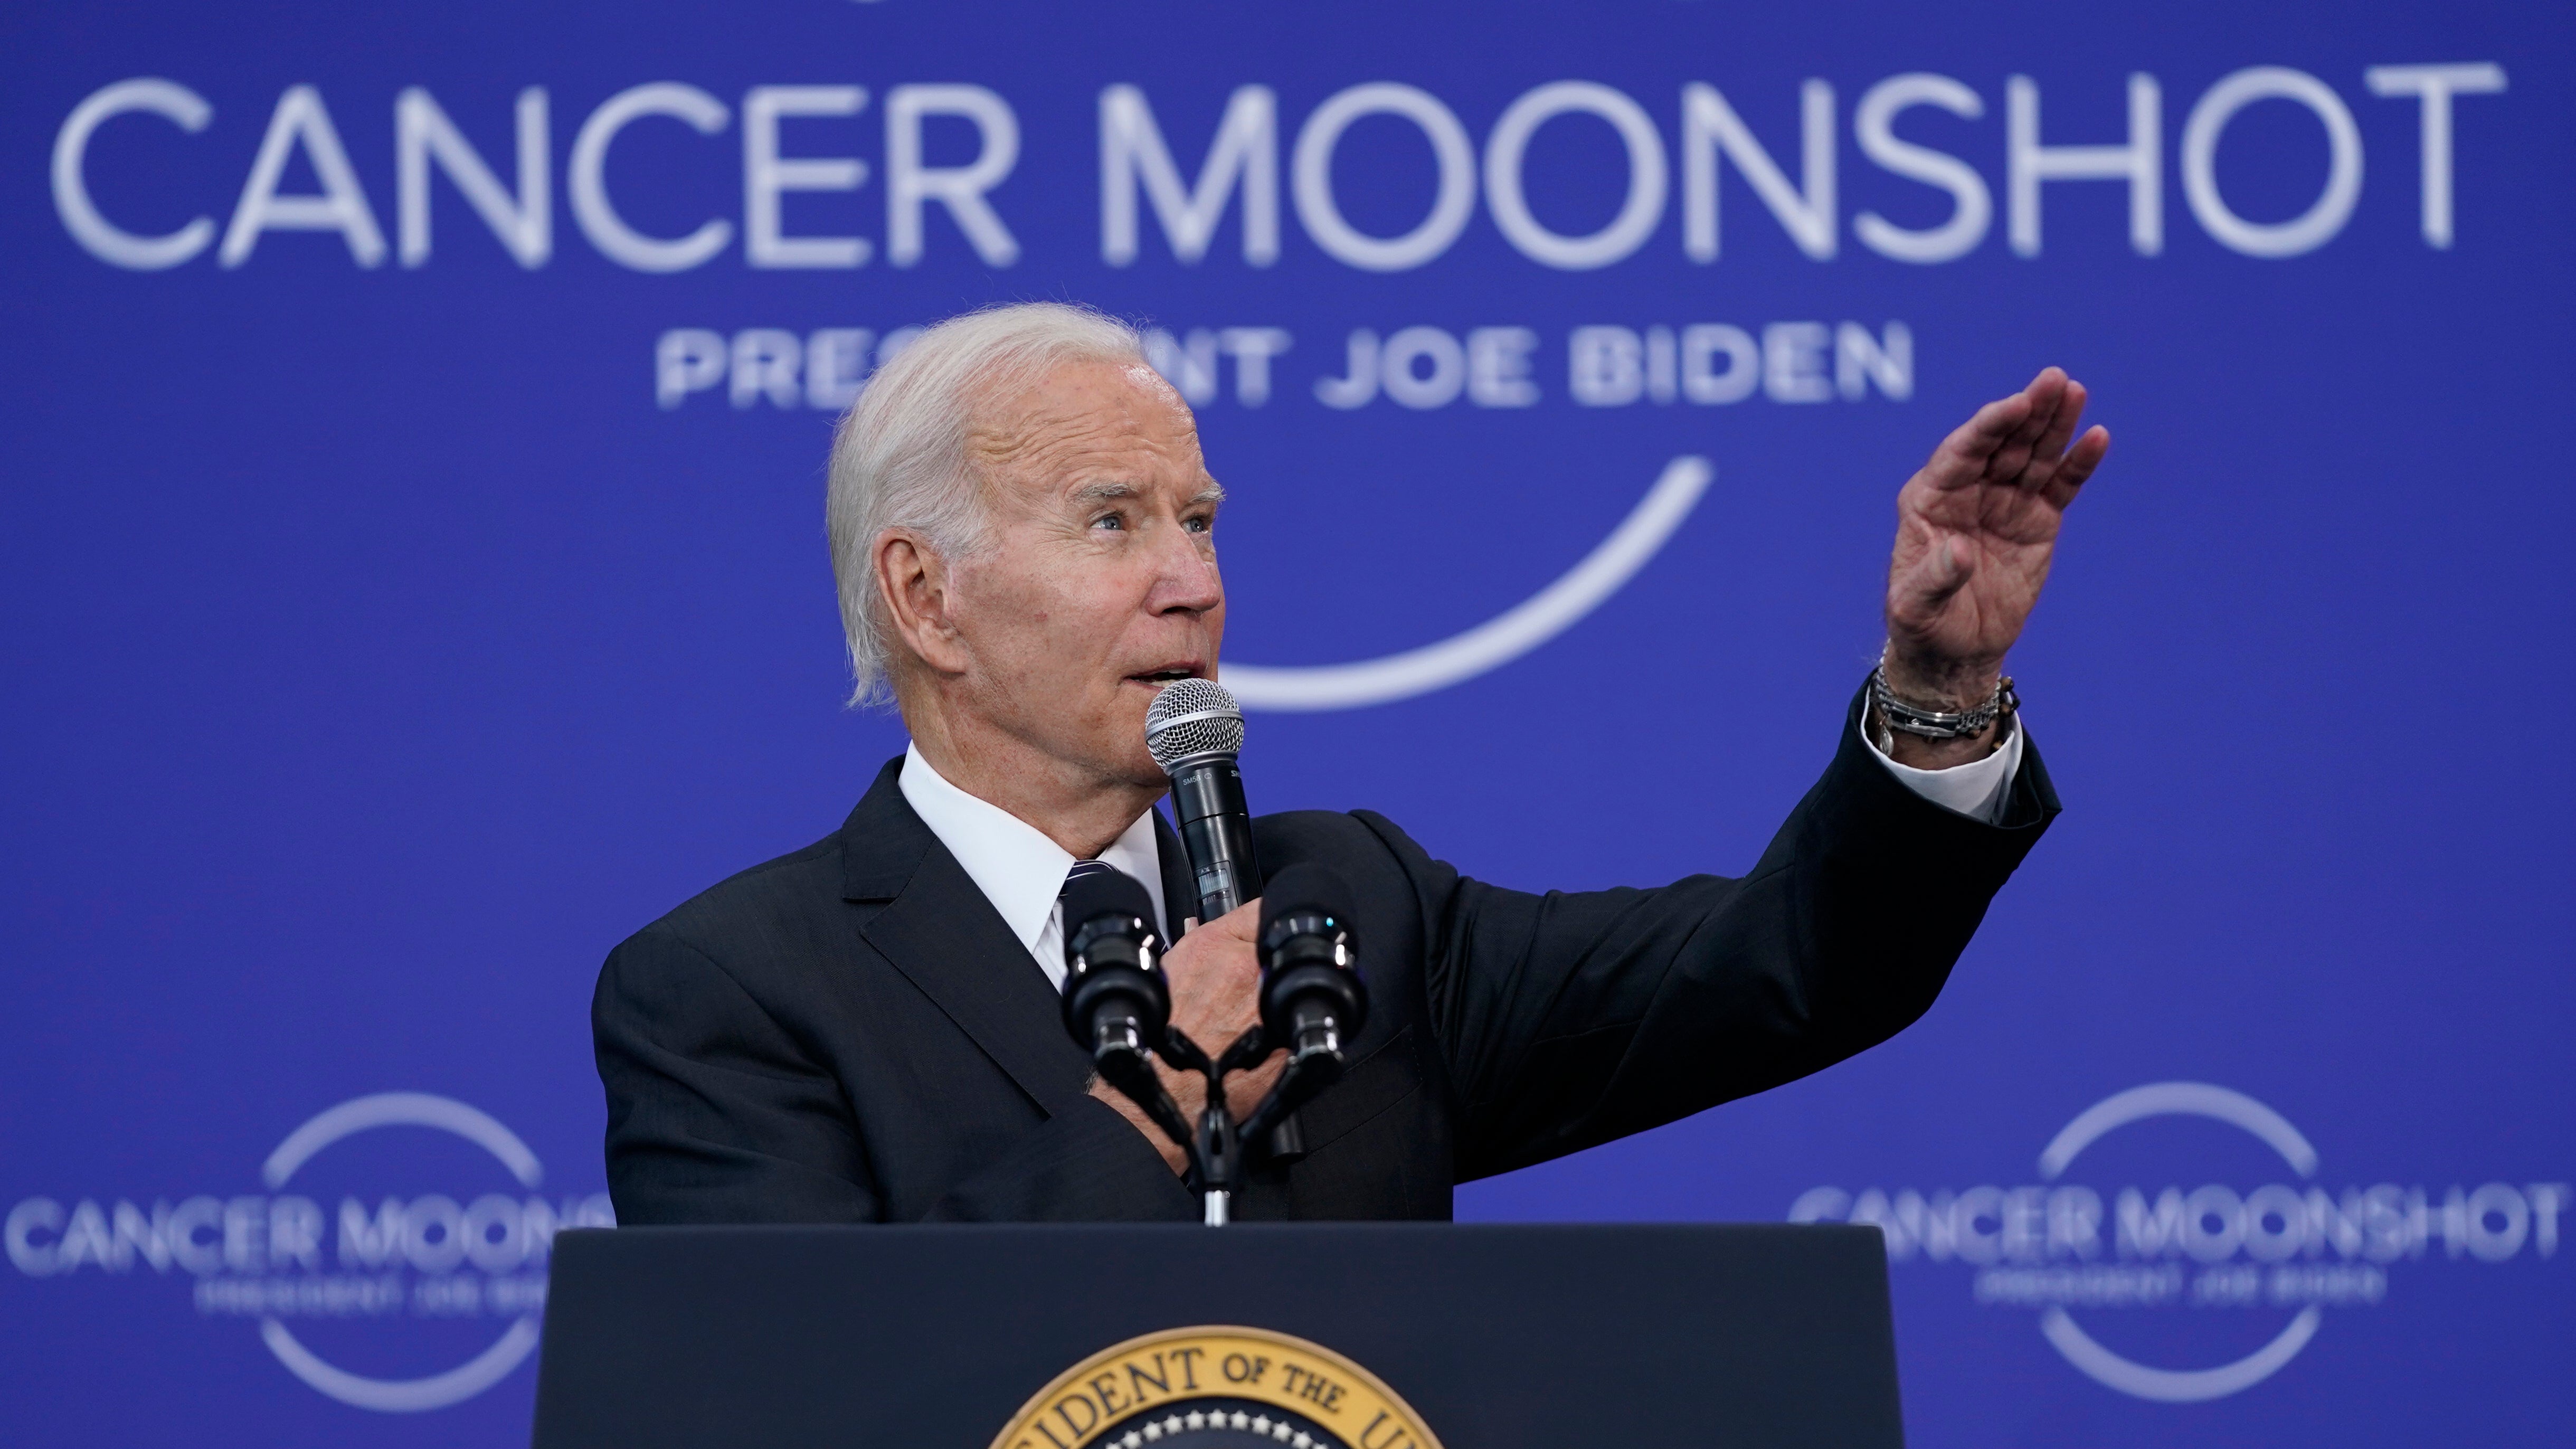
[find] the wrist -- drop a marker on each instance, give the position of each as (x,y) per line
(1938,682)
(1161,1142)
(1954,712)
(1916,752)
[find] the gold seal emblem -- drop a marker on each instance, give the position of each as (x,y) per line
(1216,1388)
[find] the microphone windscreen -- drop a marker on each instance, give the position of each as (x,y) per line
(1108,890)
(1192,717)
(1306,888)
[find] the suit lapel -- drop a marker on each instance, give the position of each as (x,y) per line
(945,937)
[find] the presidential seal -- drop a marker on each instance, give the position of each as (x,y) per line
(1216,1388)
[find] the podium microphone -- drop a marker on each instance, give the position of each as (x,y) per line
(1118,1007)
(1195,730)
(1117,1004)
(1313,999)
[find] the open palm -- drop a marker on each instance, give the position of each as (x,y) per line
(1976,527)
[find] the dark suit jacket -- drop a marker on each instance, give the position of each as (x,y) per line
(851,1034)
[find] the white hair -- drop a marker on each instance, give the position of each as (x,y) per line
(899,455)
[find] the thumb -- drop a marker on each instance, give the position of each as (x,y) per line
(1946,570)
(1243,922)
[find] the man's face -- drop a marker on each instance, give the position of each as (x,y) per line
(1098,584)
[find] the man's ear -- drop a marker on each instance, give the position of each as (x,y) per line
(917,589)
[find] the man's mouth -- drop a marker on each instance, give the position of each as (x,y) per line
(1157,678)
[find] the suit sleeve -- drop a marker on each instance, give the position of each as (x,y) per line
(1570,1019)
(1085,1164)
(717,1114)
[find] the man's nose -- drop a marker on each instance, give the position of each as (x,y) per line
(1186,581)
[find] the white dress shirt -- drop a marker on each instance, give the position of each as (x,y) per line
(1977,789)
(1021,871)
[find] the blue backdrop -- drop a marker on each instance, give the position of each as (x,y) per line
(413,577)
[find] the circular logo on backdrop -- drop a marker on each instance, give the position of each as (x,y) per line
(1216,1388)
(2276,1212)
(395,1260)
(2212,1274)
(432,1231)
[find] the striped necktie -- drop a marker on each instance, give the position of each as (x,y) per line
(1083,870)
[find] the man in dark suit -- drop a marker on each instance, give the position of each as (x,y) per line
(867,1030)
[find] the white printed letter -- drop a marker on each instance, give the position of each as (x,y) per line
(1313,177)
(423,133)
(2435,85)
(81,217)
(342,206)
(1972,206)
(961,189)
(2140,163)
(1509,143)
(2209,117)
(1710,127)
(588,182)
(1245,152)
(765,175)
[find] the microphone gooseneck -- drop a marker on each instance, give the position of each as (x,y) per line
(1195,730)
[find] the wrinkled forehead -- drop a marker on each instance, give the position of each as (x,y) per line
(1080,417)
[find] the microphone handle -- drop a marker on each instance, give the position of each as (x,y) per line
(1216,833)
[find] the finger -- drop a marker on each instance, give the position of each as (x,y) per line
(1963,454)
(2008,454)
(2081,460)
(2051,446)
(2047,395)
(2046,388)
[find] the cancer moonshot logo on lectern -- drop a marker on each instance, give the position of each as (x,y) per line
(440,1233)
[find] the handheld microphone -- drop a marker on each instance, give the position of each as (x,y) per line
(1117,1004)
(1195,730)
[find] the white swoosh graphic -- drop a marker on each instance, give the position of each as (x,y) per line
(1499,640)
(404,1396)
(402,1109)
(2172,1386)
(2168,1099)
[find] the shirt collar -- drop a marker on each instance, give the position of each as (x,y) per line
(1012,862)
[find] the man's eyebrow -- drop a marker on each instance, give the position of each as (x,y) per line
(1214,492)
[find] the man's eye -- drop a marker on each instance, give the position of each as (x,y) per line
(1109,521)
(1199,523)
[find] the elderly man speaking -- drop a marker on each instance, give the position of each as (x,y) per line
(1024,532)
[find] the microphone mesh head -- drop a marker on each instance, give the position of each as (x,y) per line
(1193,717)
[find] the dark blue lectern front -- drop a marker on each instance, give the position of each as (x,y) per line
(1257,1336)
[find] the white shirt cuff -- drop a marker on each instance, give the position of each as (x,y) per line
(1977,789)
